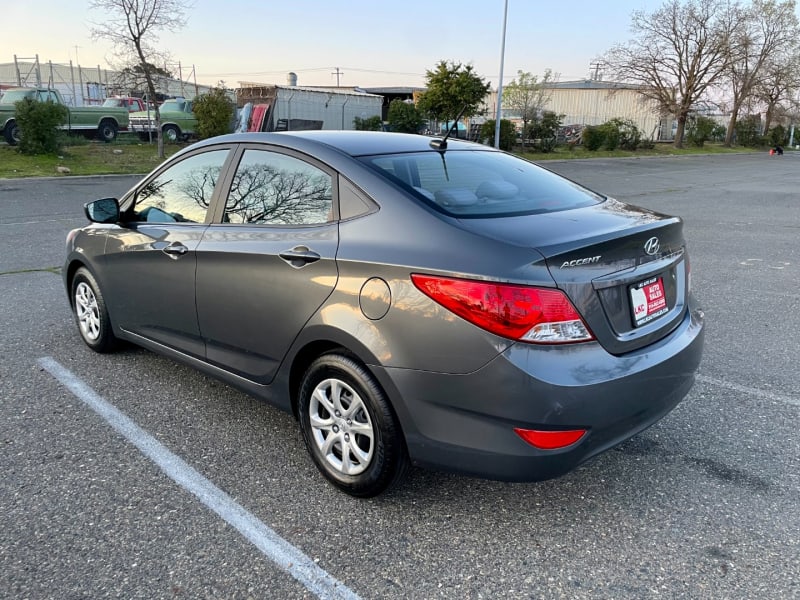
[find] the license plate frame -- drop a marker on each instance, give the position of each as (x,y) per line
(648,300)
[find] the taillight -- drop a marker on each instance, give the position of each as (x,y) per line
(550,440)
(524,313)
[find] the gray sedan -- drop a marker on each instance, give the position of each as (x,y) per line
(411,300)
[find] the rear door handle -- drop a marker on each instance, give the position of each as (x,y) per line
(299,256)
(175,250)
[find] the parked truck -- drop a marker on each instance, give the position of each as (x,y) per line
(102,122)
(178,121)
(128,102)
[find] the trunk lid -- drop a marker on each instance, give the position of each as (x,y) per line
(624,268)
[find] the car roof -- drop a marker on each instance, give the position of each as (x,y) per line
(353,143)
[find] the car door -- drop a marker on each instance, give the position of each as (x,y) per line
(150,260)
(269,264)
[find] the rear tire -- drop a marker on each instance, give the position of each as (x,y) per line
(349,427)
(171,134)
(12,133)
(107,131)
(91,314)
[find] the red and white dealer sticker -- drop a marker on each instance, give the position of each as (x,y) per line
(648,301)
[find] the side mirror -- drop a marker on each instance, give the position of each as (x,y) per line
(104,210)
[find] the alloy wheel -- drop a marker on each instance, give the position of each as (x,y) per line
(87,311)
(341,427)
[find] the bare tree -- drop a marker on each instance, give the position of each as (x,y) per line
(763,30)
(131,77)
(133,27)
(778,88)
(527,95)
(678,52)
(265,194)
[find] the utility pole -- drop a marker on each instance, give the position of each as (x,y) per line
(596,66)
(500,84)
(337,72)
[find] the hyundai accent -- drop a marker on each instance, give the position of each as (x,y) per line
(412,301)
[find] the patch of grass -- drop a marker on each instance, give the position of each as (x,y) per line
(127,156)
(660,149)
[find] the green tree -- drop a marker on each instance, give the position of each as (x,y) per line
(214,112)
(613,134)
(627,134)
(699,130)
(593,137)
(450,88)
(544,130)
(404,117)
(39,124)
(778,136)
(508,133)
(526,95)
(373,123)
(747,131)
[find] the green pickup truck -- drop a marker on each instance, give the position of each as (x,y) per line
(96,121)
(178,122)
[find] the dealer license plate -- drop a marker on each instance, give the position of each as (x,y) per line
(648,301)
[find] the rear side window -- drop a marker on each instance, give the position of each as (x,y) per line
(275,189)
(481,184)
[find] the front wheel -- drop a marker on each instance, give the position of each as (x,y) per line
(349,427)
(91,314)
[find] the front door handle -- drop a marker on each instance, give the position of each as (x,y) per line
(299,256)
(175,250)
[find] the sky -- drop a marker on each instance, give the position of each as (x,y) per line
(372,43)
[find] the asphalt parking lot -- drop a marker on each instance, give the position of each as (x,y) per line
(706,504)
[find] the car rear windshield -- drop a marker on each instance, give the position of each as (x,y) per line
(481,184)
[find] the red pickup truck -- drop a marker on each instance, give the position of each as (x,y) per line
(132,104)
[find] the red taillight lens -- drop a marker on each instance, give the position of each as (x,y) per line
(550,440)
(530,314)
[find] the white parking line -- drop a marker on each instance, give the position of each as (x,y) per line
(282,553)
(745,389)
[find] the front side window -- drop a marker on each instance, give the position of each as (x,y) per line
(275,189)
(181,193)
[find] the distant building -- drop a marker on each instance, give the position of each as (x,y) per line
(393,93)
(590,102)
(294,108)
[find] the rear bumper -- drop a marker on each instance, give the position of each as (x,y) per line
(464,423)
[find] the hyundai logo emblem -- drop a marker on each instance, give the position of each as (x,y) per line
(652,246)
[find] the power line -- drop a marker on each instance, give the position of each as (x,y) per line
(313,69)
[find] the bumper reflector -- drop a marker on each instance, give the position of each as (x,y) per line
(550,440)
